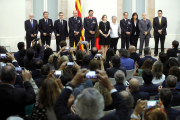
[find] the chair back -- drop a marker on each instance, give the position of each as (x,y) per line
(140,79)
(113,81)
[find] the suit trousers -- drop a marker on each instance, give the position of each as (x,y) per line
(28,42)
(125,41)
(113,44)
(162,40)
(46,40)
(134,40)
(146,39)
(74,39)
(92,40)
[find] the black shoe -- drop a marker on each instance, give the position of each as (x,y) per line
(155,55)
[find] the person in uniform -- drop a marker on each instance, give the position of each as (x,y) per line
(60,30)
(75,27)
(90,26)
(126,30)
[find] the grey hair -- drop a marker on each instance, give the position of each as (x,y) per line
(147,50)
(171,81)
(114,16)
(14,118)
(119,76)
(128,98)
(89,104)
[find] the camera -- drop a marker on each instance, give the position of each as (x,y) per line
(98,55)
(67,48)
(58,73)
(3,56)
(151,103)
(70,63)
(84,42)
(18,70)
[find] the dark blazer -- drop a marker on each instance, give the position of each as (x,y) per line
(62,111)
(176,98)
(135,28)
(144,58)
(31,30)
(111,71)
(152,89)
(13,101)
(60,29)
(19,59)
(126,26)
(90,25)
(75,25)
(43,28)
(171,113)
(120,87)
(157,26)
(135,57)
(36,74)
(172,53)
(40,81)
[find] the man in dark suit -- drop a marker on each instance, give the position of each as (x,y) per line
(95,110)
(159,25)
(148,86)
(60,30)
(166,96)
(147,54)
(46,29)
(116,63)
(126,30)
(31,27)
(13,101)
(90,26)
(136,93)
(133,54)
(75,27)
(173,52)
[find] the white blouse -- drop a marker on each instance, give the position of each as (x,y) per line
(158,81)
(115,29)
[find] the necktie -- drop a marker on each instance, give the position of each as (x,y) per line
(46,22)
(145,21)
(61,22)
(160,21)
(32,23)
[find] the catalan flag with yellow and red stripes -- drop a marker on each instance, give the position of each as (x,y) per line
(78,8)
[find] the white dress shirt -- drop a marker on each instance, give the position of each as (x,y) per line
(60,21)
(31,21)
(135,26)
(115,29)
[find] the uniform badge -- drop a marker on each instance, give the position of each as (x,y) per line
(93,22)
(129,22)
(78,21)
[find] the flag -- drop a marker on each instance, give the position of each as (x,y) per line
(78,8)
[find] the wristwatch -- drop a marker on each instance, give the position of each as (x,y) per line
(134,116)
(70,85)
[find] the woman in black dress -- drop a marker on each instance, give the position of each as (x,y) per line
(104,37)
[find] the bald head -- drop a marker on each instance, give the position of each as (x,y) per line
(134,84)
(144,16)
(132,49)
(94,51)
(31,16)
(128,98)
(75,13)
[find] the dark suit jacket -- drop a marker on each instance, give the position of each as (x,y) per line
(29,29)
(36,74)
(40,81)
(126,26)
(43,28)
(60,29)
(144,58)
(171,113)
(19,59)
(111,71)
(75,26)
(90,25)
(176,97)
(152,89)
(135,57)
(135,28)
(172,53)
(62,112)
(157,26)
(120,87)
(13,101)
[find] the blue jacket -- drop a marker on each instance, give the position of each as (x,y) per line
(171,113)
(152,89)
(144,58)
(120,87)
(128,63)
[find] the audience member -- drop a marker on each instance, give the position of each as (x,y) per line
(47,53)
(36,74)
(64,44)
(173,52)
(133,54)
(86,61)
(94,51)
(109,54)
(163,59)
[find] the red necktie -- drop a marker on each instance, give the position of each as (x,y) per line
(145,21)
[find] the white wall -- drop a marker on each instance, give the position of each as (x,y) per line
(12,22)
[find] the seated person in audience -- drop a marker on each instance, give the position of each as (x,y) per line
(147,54)
(157,71)
(165,97)
(172,62)
(29,59)
(13,101)
(45,69)
(64,52)
(171,83)
(37,73)
(126,62)
(148,86)
(86,60)
(133,54)
(109,54)
(20,54)
(174,71)
(66,77)
(173,52)
(50,59)
(148,63)
(115,65)
(48,93)
(47,52)
(133,88)
(120,79)
(90,103)
(79,57)
(163,59)
(94,51)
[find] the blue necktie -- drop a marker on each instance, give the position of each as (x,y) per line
(46,22)
(32,24)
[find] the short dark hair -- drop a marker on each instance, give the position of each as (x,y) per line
(109,54)
(125,13)
(20,45)
(45,12)
(65,78)
(47,53)
(124,52)
(159,10)
(60,12)
(91,11)
(172,62)
(171,81)
(93,51)
(94,65)
(22,52)
(175,71)
(45,69)
(86,59)
(162,57)
(8,74)
(39,64)
(30,53)
(147,76)
(166,96)
(79,55)
(116,61)
(147,50)
(63,43)
(175,44)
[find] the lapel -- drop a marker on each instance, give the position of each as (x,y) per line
(144,22)
(34,24)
